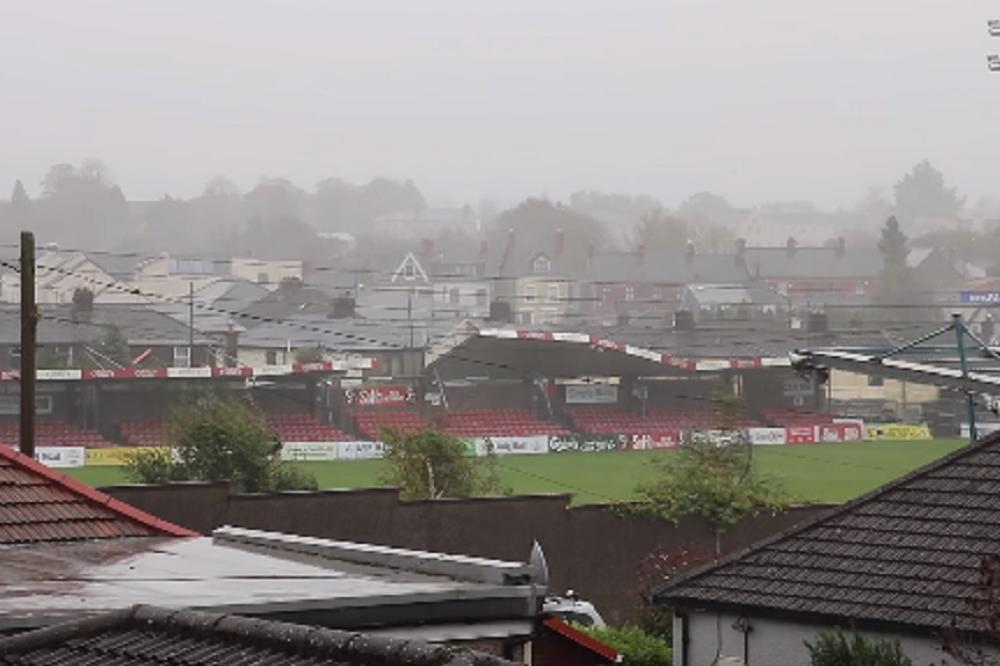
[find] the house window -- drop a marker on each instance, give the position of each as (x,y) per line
(553,293)
(876,380)
(182,357)
(453,296)
(630,293)
(529,293)
(657,295)
(271,357)
(409,272)
(541,265)
(481,297)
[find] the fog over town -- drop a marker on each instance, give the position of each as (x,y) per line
(559,333)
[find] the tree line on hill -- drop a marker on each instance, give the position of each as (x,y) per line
(82,206)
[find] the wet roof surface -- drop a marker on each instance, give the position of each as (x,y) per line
(39,585)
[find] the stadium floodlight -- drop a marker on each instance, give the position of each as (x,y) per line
(993,26)
(993,62)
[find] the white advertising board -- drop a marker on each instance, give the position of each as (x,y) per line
(360,450)
(309,451)
(767,436)
(507,445)
(591,394)
(61,456)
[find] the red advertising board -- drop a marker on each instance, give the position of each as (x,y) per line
(839,432)
(800,434)
(657,440)
(379,396)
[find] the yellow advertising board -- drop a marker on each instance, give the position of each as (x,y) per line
(118,455)
(904,431)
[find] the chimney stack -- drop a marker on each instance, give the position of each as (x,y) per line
(689,252)
(841,247)
(500,311)
(683,320)
(343,306)
(791,245)
(560,241)
(82,308)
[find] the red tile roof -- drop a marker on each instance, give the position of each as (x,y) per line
(589,642)
(38,505)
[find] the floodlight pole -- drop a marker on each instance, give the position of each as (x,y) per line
(29,323)
(970,404)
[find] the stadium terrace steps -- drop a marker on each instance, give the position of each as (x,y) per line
(52,432)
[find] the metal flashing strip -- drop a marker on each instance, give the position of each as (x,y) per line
(458,567)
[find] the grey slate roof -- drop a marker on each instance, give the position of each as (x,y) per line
(343,334)
(667,268)
(908,553)
(813,262)
(144,635)
(141,325)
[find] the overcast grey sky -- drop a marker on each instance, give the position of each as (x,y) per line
(758,100)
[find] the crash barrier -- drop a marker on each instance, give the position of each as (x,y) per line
(838,431)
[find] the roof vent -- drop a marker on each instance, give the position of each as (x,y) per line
(343,307)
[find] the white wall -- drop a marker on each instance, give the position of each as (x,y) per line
(773,642)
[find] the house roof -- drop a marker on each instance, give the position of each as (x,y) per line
(708,295)
(345,334)
(146,634)
(216,305)
(140,324)
(288,300)
(40,505)
(667,268)
(813,262)
(603,650)
(908,553)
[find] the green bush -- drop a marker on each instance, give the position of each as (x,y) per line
(217,438)
(637,647)
(832,648)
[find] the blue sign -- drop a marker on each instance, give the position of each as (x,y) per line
(981,297)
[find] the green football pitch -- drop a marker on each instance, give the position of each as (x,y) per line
(816,472)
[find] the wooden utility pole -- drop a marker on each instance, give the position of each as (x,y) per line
(190,324)
(29,323)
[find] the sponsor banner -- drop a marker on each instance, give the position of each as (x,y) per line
(360,450)
(126,373)
(507,445)
(271,370)
(189,373)
(10,404)
(232,372)
(566,444)
(61,456)
(534,335)
(654,441)
(980,297)
(58,375)
(380,396)
(767,436)
(840,432)
(800,434)
(718,437)
(591,394)
(744,363)
(982,429)
(117,455)
(908,431)
(309,451)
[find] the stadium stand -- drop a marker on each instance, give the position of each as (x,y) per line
(794,417)
(300,427)
(143,432)
(51,432)
(369,424)
(615,420)
(499,423)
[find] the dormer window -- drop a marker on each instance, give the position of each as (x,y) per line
(541,265)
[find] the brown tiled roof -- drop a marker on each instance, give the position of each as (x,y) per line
(38,504)
(908,553)
(147,635)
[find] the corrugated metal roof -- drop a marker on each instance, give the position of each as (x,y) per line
(149,635)
(38,504)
